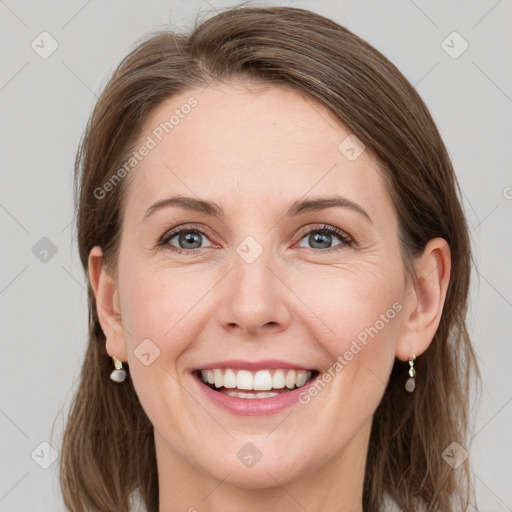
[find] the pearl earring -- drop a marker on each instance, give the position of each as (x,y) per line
(118,375)
(410,384)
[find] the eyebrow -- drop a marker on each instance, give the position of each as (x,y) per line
(297,208)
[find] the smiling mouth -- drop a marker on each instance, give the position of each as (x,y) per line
(259,384)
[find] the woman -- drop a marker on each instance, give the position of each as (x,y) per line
(278,269)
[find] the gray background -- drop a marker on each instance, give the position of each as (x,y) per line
(44,106)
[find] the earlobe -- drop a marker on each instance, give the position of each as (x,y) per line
(107,304)
(425,300)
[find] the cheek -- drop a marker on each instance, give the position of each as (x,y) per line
(350,305)
(338,305)
(157,310)
(158,331)
(358,317)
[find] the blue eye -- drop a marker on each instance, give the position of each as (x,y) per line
(324,235)
(190,239)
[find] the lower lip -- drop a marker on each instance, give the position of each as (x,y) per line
(253,406)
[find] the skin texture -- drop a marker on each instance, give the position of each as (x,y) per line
(254,151)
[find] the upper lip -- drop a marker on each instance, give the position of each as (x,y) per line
(267,364)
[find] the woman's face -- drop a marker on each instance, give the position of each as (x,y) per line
(258,287)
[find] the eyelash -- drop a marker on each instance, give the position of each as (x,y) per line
(164,242)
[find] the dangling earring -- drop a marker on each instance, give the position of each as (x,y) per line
(118,375)
(410,384)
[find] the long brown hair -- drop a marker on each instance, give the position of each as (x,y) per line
(108,447)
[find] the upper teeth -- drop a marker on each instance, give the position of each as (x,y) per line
(260,380)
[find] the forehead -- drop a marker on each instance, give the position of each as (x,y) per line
(250,143)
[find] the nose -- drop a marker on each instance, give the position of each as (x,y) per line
(255,298)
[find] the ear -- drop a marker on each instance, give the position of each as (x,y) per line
(424,300)
(107,304)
